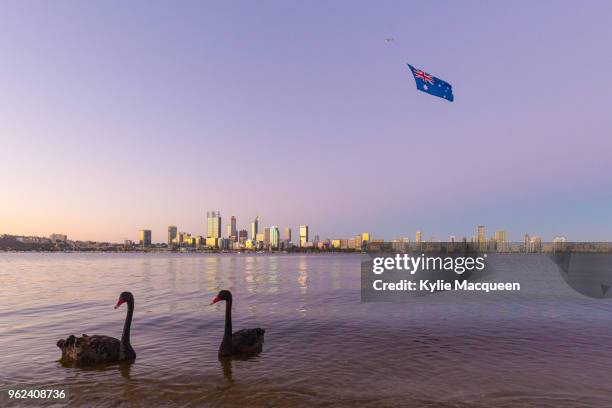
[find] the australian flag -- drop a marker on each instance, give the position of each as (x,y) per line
(434,86)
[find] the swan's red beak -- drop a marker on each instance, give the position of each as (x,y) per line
(215,300)
(119,303)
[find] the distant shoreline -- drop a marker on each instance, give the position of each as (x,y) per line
(196,252)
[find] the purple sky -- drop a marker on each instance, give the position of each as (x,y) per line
(118,116)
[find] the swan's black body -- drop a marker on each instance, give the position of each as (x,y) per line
(244,342)
(97,349)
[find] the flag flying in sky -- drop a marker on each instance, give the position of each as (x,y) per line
(434,86)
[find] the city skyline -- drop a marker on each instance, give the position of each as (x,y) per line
(214,222)
(119,117)
(213,230)
(174,231)
(270,241)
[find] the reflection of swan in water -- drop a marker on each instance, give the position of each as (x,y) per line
(244,342)
(125,367)
(226,365)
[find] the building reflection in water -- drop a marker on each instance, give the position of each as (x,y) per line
(211,266)
(303,275)
(171,273)
(146,274)
(249,266)
(302,281)
(230,266)
(272,275)
(335,276)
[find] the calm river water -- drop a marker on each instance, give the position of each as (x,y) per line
(547,346)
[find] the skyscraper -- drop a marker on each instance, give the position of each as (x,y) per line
(144,237)
(274,236)
(365,237)
(418,238)
(287,235)
(267,237)
(172,230)
(213,220)
(358,241)
(232,229)
(481,237)
(303,235)
(481,233)
(501,241)
(254,228)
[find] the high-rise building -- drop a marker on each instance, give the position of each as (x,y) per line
(501,240)
(172,231)
(213,220)
(255,228)
(418,237)
(481,234)
(303,235)
(243,235)
(274,236)
(358,241)
(267,237)
(200,241)
(501,236)
(287,235)
(481,237)
(365,237)
(233,232)
(144,237)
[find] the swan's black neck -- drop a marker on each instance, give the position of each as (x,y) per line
(125,337)
(227,334)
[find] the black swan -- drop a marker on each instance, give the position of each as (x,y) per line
(101,349)
(242,343)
